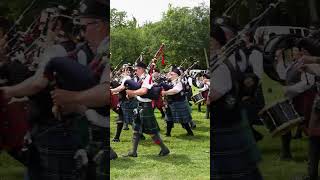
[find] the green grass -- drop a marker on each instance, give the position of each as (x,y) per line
(9,168)
(189,158)
(271,166)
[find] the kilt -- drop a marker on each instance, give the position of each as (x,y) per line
(144,120)
(178,112)
(127,108)
(56,145)
(99,164)
(314,124)
(234,152)
(303,105)
(159,103)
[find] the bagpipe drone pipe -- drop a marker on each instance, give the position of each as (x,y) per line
(153,93)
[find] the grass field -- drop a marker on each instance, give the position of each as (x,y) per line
(189,157)
(10,169)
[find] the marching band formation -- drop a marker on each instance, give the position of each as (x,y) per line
(54,78)
(136,91)
(238,61)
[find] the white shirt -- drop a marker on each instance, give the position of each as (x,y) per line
(177,86)
(205,87)
(255,61)
(221,80)
(307,81)
(51,52)
(124,79)
(97,119)
(145,84)
(82,58)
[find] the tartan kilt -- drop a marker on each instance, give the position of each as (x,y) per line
(144,120)
(179,112)
(127,108)
(234,152)
(56,146)
(98,155)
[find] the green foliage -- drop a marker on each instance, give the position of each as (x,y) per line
(292,12)
(184,31)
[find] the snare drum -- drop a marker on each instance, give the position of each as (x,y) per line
(13,123)
(280,117)
(198,98)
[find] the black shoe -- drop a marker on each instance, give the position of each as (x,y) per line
(190,134)
(126,127)
(115,140)
(113,155)
(142,137)
(168,135)
(258,137)
(131,154)
(164,152)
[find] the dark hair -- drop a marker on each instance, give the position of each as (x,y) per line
(4,24)
(217,33)
(311,45)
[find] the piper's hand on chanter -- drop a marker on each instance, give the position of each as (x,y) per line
(130,93)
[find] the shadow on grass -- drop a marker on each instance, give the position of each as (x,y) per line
(175,159)
(300,158)
(270,150)
(196,137)
(122,162)
(202,129)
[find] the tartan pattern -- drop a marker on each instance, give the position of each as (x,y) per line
(145,121)
(234,152)
(179,112)
(56,146)
(99,142)
(127,108)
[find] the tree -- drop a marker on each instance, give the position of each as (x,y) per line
(185,32)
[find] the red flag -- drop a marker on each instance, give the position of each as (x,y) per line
(162,59)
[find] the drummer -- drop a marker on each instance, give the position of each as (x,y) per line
(309,49)
(298,88)
(205,91)
(177,111)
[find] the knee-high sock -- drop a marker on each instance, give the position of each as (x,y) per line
(314,151)
(135,142)
(162,112)
(199,107)
(157,140)
(187,127)
(207,112)
(119,129)
(169,127)
(285,140)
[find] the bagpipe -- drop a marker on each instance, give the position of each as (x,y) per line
(27,46)
(237,41)
(155,91)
